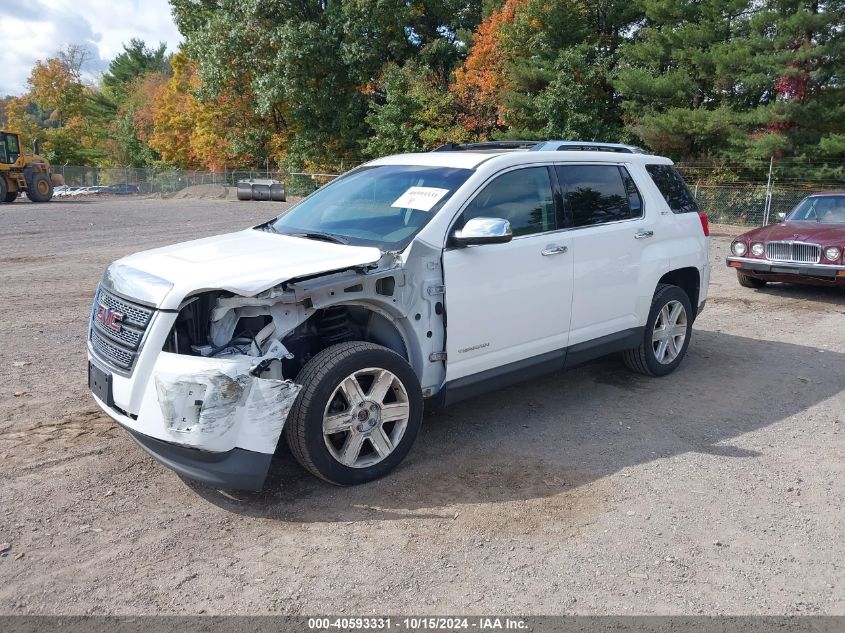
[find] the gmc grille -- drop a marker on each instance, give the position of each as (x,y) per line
(794,252)
(117,329)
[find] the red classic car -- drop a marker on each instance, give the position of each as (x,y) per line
(805,248)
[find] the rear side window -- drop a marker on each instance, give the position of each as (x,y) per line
(674,189)
(598,194)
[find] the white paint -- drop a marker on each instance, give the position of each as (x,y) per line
(505,302)
(420,198)
(245,263)
(237,410)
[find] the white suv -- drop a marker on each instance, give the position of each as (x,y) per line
(421,276)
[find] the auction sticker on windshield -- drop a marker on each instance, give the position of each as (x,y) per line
(420,198)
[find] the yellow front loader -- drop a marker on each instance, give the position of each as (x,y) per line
(20,171)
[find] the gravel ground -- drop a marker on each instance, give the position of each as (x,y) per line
(716,490)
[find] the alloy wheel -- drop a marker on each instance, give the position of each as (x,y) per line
(670,332)
(366,417)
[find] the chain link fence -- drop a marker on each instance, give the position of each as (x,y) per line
(739,203)
(169,181)
(744,204)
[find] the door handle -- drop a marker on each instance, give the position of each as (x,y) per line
(643,234)
(553,249)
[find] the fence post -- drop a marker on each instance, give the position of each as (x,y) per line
(767,206)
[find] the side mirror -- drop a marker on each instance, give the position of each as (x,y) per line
(483,231)
(781,216)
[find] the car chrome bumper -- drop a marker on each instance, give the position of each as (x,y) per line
(786,268)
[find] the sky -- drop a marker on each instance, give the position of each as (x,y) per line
(36,29)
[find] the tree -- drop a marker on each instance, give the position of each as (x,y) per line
(735,79)
(543,69)
(199,133)
(313,66)
(135,61)
(480,83)
(415,114)
(56,88)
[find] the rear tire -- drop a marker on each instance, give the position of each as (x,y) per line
(39,187)
(666,336)
(4,190)
(358,413)
(746,281)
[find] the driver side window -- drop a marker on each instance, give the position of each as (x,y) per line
(523,197)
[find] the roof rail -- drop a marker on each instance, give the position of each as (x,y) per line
(486,146)
(585,146)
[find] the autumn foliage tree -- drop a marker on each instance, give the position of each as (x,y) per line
(481,82)
(316,85)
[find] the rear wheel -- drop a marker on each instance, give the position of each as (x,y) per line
(4,190)
(39,187)
(357,415)
(746,281)
(666,336)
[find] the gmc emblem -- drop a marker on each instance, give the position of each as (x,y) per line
(109,318)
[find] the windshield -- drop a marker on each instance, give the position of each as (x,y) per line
(824,209)
(383,206)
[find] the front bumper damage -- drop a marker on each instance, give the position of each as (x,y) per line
(209,419)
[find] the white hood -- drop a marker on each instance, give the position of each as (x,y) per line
(244,263)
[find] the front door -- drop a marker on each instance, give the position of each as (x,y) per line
(509,302)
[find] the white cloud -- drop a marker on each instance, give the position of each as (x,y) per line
(36,29)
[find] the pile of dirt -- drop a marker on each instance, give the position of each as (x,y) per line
(202,192)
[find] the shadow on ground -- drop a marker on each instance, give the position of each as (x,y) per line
(829,295)
(569,429)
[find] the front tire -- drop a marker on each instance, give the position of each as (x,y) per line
(746,281)
(666,336)
(39,187)
(358,413)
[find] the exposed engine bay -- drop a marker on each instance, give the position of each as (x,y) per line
(282,328)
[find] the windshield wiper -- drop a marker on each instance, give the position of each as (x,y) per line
(316,235)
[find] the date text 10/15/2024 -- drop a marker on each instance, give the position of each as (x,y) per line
(421,623)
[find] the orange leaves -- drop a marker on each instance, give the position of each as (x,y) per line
(191,132)
(56,88)
(482,80)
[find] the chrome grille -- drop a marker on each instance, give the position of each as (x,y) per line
(795,252)
(136,315)
(114,354)
(118,345)
(126,335)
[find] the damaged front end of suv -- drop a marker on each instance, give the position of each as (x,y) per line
(196,349)
(206,387)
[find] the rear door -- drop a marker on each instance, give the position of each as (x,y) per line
(610,231)
(509,302)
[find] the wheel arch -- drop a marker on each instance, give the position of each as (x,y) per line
(687,279)
(381,324)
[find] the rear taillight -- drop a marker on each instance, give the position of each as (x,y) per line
(705,223)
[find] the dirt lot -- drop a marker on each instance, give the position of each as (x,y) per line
(719,489)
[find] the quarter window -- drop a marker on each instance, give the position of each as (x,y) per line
(598,194)
(523,197)
(674,189)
